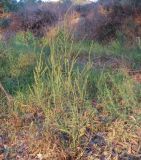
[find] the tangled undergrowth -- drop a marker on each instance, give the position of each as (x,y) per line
(66,110)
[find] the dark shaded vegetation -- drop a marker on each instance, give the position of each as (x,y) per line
(101,21)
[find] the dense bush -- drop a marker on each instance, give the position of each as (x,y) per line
(4,23)
(36,18)
(106,18)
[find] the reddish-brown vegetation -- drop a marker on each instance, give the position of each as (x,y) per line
(97,21)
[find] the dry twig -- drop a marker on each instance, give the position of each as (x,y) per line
(9,98)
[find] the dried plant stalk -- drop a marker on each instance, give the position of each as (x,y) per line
(9,98)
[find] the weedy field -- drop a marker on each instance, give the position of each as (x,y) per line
(67,100)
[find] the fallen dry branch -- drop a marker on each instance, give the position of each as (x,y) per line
(9,98)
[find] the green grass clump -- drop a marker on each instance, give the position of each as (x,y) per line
(60,89)
(18,58)
(116,92)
